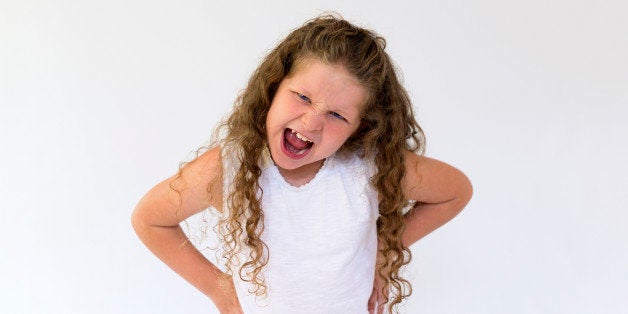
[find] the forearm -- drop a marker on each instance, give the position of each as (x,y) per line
(172,246)
(424,218)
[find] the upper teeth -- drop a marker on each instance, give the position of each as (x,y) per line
(301,137)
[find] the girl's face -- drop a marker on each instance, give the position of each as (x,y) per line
(314,111)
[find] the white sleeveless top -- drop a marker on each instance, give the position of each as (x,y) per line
(321,236)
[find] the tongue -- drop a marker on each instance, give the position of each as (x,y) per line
(293,140)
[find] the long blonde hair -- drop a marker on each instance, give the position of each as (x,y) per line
(388,128)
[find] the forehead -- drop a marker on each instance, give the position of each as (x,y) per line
(331,84)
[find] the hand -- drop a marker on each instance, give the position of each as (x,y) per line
(377,301)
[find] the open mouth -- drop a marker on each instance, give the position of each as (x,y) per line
(295,145)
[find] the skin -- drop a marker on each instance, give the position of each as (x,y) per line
(323,103)
(441,191)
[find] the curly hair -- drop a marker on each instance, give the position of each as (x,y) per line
(387,130)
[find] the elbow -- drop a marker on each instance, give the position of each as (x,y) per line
(138,221)
(465,192)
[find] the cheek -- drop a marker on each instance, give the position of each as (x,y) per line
(282,108)
(274,116)
(340,133)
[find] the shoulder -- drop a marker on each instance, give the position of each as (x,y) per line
(356,162)
(204,175)
(201,171)
(431,181)
(194,188)
(199,182)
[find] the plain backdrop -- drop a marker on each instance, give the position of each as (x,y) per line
(100,100)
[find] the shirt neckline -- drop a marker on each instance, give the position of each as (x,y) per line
(317,177)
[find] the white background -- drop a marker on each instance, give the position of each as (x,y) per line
(102,99)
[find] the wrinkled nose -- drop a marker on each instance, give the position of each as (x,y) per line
(313,120)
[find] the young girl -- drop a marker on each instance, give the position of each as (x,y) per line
(312,179)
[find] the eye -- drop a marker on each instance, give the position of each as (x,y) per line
(337,115)
(303,97)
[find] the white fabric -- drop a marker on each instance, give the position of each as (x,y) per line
(321,237)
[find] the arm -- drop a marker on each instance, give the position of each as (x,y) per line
(156,221)
(441,192)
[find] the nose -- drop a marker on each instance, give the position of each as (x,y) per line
(313,119)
